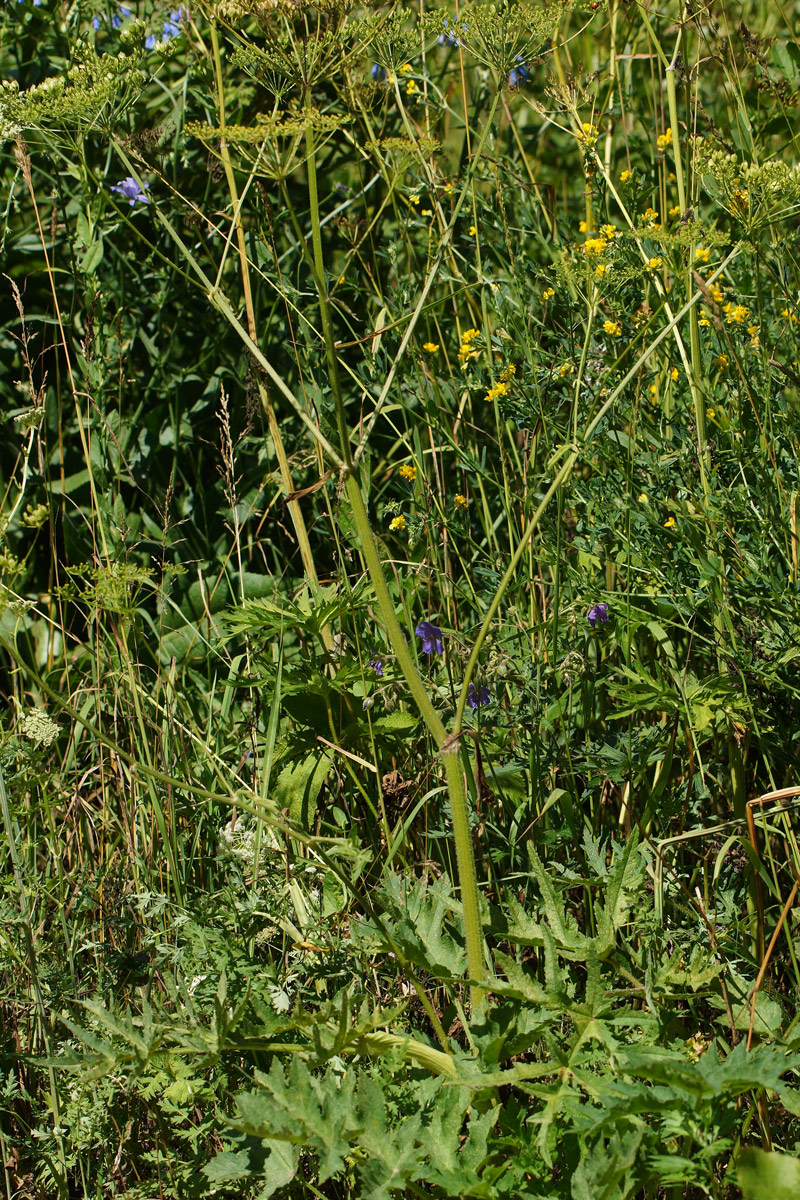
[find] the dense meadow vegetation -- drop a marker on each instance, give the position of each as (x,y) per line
(399,599)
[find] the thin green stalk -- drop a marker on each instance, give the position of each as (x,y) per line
(561,477)
(295,512)
(41,1010)
(223,305)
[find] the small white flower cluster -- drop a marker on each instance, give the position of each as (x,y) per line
(38,727)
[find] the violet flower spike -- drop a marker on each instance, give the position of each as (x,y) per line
(597,615)
(377,666)
(130,189)
(431,638)
(478,697)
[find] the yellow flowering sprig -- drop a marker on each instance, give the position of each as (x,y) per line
(467,351)
(497,389)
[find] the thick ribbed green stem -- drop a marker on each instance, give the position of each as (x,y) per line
(449,749)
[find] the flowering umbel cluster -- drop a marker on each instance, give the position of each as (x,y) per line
(92,92)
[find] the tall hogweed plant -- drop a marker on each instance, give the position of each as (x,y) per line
(400,599)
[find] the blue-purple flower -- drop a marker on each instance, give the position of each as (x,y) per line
(449,37)
(377,666)
(477,697)
(518,74)
(118,18)
(597,615)
(378,73)
(130,189)
(169,30)
(431,638)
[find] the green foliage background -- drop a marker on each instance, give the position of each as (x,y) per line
(516,285)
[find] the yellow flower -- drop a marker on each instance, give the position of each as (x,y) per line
(710,413)
(791,317)
(702,254)
(673,373)
(654,390)
(430,347)
(722,361)
(413,199)
(425,212)
(548,293)
(665,139)
(650,214)
(589,134)
(411,88)
(460,501)
(596,245)
(406,67)
(601,270)
(508,372)
(674,212)
(608,231)
(465,350)
(654,263)
(670,521)
(408,472)
(736,314)
(398,523)
(671,177)
(625,176)
(704,319)
(472,231)
(497,389)
(613,328)
(715,292)
(583,227)
(644,498)
(565,369)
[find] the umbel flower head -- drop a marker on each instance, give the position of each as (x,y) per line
(129,188)
(597,615)
(431,638)
(477,697)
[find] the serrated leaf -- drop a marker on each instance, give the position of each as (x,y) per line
(228,1167)
(298,786)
